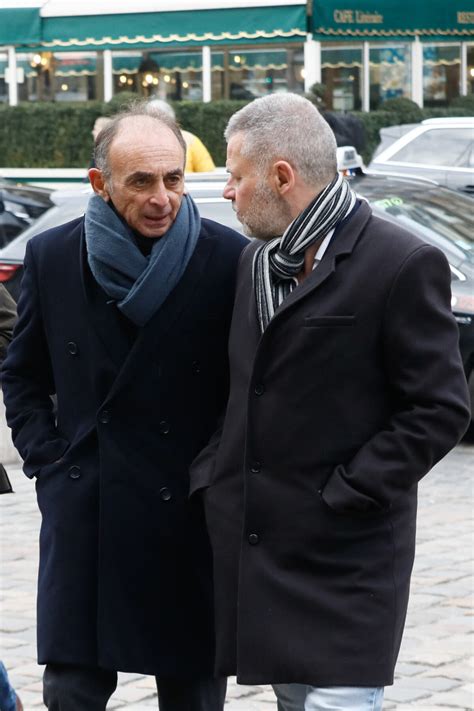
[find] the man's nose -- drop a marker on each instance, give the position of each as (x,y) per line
(160,196)
(229,191)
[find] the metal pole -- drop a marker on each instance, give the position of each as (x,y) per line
(12,77)
(108,75)
(206,75)
(312,62)
(365,77)
(417,72)
(463,86)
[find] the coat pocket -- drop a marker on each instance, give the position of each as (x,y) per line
(325,321)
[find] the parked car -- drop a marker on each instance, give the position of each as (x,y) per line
(441,149)
(438,216)
(20,205)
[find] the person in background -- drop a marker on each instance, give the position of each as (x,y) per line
(7,320)
(9,700)
(198,158)
(347,386)
(124,315)
(100,123)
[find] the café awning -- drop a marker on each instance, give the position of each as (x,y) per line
(19,25)
(376,19)
(192,27)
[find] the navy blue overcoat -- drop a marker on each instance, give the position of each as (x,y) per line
(125,574)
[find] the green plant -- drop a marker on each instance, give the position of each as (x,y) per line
(407,110)
(463,102)
(317,94)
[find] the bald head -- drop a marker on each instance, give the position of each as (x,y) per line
(129,125)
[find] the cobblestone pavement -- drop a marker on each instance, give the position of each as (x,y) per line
(434,672)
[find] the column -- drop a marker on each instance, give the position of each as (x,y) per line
(108,75)
(365,76)
(12,78)
(417,72)
(312,62)
(463,87)
(206,75)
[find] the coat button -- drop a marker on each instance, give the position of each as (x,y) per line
(72,348)
(259,389)
(74,472)
(253,539)
(255,467)
(165,493)
(163,427)
(104,417)
(196,366)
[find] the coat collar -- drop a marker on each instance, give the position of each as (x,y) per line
(342,244)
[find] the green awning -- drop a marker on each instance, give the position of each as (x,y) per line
(196,27)
(187,61)
(20,25)
(373,19)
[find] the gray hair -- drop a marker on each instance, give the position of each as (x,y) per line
(286,127)
(136,109)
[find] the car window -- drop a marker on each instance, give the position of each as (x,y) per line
(448,147)
(440,218)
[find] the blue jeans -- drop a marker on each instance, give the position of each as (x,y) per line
(299,697)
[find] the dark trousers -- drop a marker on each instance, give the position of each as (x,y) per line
(71,688)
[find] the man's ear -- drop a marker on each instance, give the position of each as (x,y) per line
(97,181)
(284,176)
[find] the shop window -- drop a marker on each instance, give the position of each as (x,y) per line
(342,77)
(441,74)
(3,78)
(254,73)
(390,73)
(74,76)
(470,68)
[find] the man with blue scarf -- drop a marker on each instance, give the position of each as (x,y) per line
(124,316)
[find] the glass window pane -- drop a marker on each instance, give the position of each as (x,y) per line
(3,73)
(470,68)
(441,73)
(74,76)
(390,73)
(342,77)
(439,147)
(254,73)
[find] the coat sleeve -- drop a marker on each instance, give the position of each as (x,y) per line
(7,320)
(426,384)
(28,383)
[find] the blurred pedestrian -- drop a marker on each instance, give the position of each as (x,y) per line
(7,320)
(124,316)
(347,386)
(9,701)
(198,158)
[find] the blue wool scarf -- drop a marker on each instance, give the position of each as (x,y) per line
(138,283)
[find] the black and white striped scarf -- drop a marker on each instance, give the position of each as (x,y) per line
(276,263)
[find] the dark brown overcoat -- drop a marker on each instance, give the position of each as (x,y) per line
(354,392)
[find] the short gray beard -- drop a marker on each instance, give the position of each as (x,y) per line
(267,216)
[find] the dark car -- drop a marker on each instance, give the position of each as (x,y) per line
(20,206)
(438,216)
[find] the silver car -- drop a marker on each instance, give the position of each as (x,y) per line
(440,149)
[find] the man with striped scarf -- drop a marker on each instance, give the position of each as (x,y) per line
(346,388)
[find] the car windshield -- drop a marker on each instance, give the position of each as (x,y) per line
(438,216)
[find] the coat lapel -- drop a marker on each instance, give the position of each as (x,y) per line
(342,244)
(147,344)
(102,314)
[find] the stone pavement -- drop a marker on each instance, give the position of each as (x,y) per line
(434,672)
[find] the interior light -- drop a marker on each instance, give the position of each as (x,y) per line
(237,58)
(123,79)
(167,78)
(64,87)
(185,85)
(148,79)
